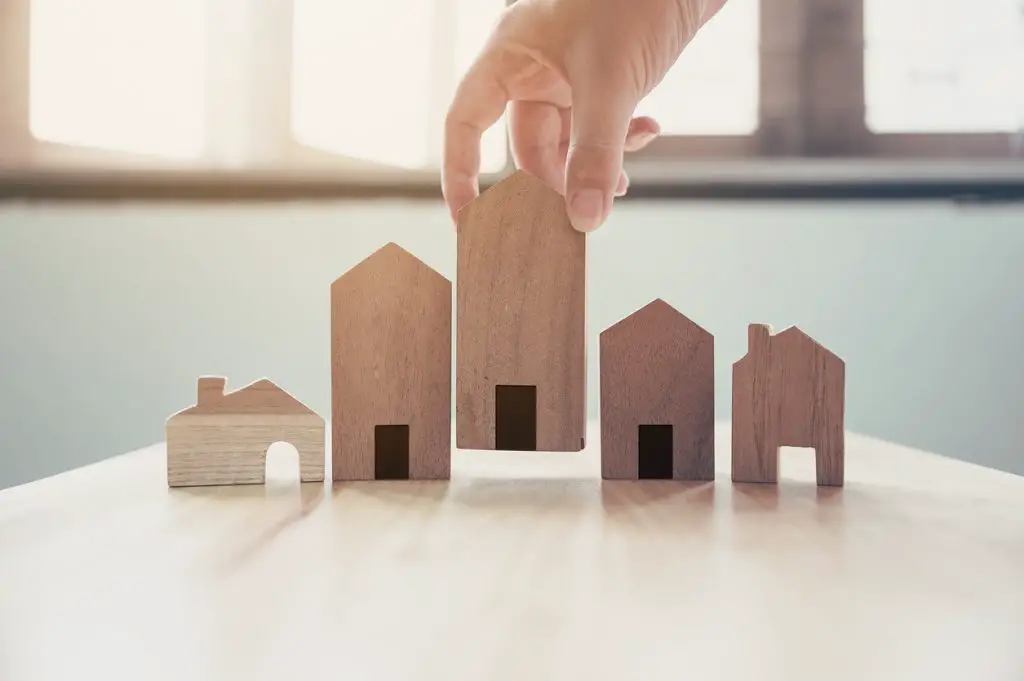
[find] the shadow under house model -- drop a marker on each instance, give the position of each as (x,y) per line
(391,370)
(787,391)
(520,337)
(223,439)
(657,397)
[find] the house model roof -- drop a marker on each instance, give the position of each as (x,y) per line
(795,334)
(380,265)
(658,315)
(790,334)
(259,397)
(508,196)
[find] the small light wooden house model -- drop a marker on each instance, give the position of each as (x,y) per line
(787,391)
(520,337)
(657,397)
(223,439)
(391,370)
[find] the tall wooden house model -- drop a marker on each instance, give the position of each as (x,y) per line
(391,368)
(520,328)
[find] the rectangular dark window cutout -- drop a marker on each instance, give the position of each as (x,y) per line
(655,453)
(515,417)
(391,452)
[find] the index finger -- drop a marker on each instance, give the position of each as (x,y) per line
(479,103)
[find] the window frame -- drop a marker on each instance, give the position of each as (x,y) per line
(808,140)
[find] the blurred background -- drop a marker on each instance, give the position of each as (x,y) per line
(181,181)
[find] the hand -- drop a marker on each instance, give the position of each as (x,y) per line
(571,73)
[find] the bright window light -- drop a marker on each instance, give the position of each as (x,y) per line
(475,19)
(713,88)
(371,80)
(361,78)
(120,75)
(944,66)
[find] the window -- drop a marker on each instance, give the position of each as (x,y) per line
(362,79)
(475,19)
(124,75)
(373,80)
(315,92)
(713,87)
(187,80)
(944,66)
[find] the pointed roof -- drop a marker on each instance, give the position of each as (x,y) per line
(657,314)
(790,335)
(516,183)
(795,334)
(390,255)
(259,397)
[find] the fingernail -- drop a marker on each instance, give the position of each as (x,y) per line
(586,210)
(647,138)
(623,186)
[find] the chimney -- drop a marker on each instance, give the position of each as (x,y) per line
(211,389)
(757,337)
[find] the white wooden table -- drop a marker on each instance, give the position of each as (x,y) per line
(523,567)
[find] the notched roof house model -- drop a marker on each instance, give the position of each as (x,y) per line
(657,397)
(391,368)
(787,391)
(520,344)
(223,439)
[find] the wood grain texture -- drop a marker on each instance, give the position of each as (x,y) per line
(520,313)
(787,391)
(657,367)
(523,566)
(223,439)
(391,363)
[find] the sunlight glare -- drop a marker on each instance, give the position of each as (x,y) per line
(365,79)
(476,18)
(944,66)
(713,89)
(120,75)
(362,78)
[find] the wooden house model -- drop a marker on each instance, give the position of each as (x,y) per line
(391,370)
(787,391)
(657,373)
(223,439)
(520,321)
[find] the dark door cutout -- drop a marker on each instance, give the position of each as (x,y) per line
(515,417)
(655,453)
(391,452)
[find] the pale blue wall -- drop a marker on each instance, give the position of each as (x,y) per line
(108,312)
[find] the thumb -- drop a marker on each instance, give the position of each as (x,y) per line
(602,108)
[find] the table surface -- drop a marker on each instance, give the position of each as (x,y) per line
(523,566)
